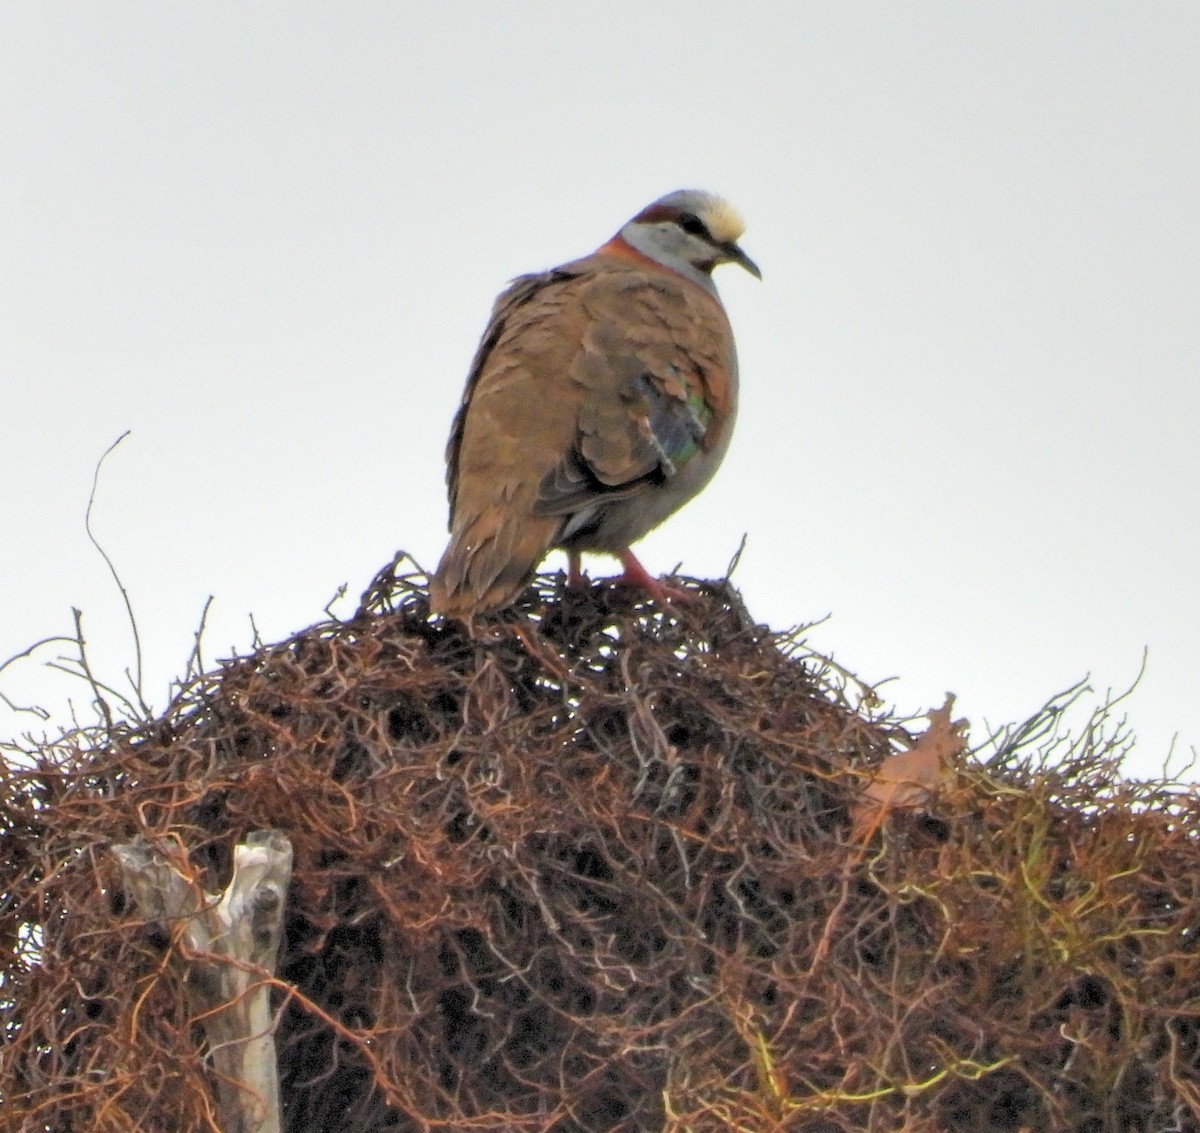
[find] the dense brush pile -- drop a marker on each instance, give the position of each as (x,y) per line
(592,869)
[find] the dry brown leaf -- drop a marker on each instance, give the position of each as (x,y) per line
(910,778)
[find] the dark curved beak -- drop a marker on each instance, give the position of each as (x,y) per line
(733,254)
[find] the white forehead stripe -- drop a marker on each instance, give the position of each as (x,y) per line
(722,219)
(719,216)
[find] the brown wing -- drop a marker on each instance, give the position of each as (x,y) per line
(509,302)
(649,368)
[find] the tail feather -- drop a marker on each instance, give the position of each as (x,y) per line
(486,566)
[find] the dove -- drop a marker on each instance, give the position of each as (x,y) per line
(601,399)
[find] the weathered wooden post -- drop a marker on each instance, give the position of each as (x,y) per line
(231,942)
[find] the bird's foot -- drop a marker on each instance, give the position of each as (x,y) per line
(576,578)
(637,575)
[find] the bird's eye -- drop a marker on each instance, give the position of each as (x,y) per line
(693,225)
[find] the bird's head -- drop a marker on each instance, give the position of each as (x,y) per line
(690,229)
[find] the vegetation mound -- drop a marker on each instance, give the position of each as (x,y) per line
(607,866)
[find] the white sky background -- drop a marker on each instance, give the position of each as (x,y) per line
(266,238)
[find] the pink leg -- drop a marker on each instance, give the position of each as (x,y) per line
(637,575)
(576,579)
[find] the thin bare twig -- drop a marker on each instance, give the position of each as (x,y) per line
(136,681)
